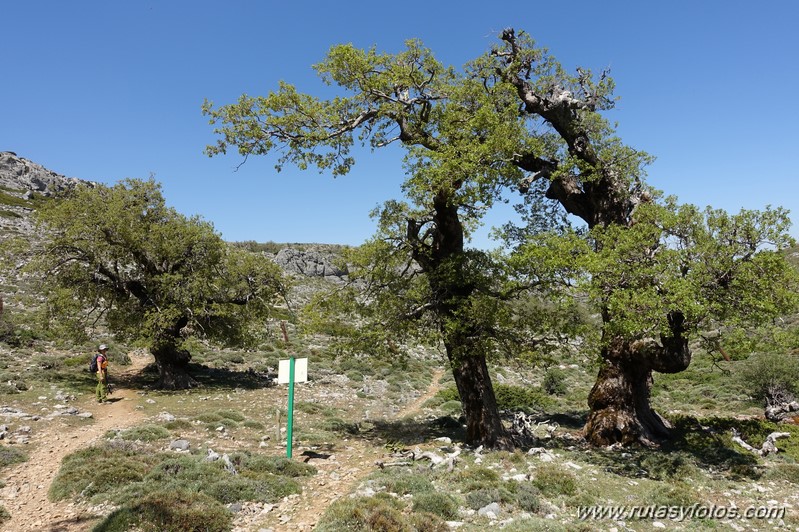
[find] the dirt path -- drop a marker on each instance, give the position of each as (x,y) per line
(337,476)
(25,492)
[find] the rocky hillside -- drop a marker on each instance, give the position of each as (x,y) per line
(21,181)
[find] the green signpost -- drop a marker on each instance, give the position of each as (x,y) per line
(291,371)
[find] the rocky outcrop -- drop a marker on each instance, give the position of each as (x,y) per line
(20,174)
(309,263)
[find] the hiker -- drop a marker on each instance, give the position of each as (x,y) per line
(102,373)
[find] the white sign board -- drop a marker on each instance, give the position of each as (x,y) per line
(300,371)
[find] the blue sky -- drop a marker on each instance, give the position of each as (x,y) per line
(105,90)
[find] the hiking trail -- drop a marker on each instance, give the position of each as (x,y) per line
(24,493)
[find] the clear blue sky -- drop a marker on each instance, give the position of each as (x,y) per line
(105,90)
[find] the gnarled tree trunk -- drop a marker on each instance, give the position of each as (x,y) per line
(173,366)
(445,263)
(619,401)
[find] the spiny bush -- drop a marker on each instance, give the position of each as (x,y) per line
(405,483)
(443,505)
(664,466)
(365,514)
(174,510)
(145,433)
(11,455)
(98,470)
(672,495)
(528,498)
(770,376)
(277,465)
(554,382)
(786,472)
(553,481)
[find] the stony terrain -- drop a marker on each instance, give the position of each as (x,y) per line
(378,430)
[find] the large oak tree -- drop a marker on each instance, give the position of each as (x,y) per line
(513,117)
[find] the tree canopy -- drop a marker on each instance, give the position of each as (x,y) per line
(155,276)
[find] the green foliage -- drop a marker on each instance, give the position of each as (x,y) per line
(130,474)
(784,472)
(528,497)
(175,510)
(405,483)
(768,376)
(14,201)
(509,397)
(154,274)
(277,465)
(437,503)
(672,495)
(484,496)
(11,455)
(144,433)
(554,382)
(98,470)
(364,514)
(553,481)
(668,466)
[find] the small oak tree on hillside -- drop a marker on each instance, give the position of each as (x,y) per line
(155,276)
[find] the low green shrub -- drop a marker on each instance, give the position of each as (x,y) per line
(672,495)
(277,465)
(786,472)
(553,481)
(405,483)
(175,510)
(145,433)
(364,514)
(664,466)
(769,375)
(452,408)
(528,497)
(427,522)
(437,503)
(483,497)
(509,398)
(11,455)
(554,382)
(98,470)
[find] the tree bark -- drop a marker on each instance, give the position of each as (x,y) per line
(173,365)
(483,424)
(620,399)
(445,263)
